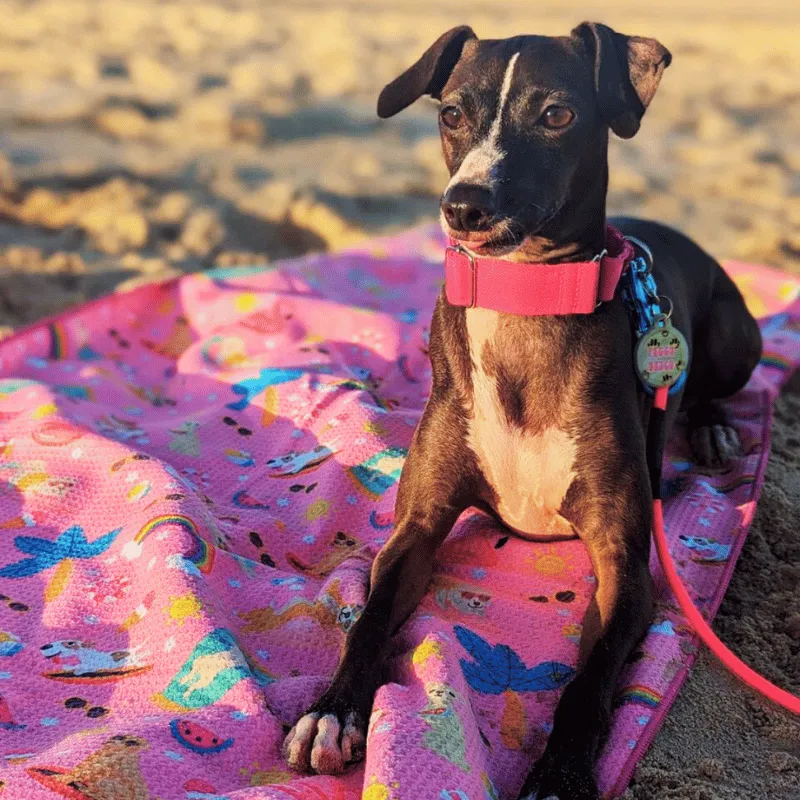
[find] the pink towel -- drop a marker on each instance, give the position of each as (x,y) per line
(194,478)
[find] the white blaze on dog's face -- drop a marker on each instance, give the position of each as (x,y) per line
(480,165)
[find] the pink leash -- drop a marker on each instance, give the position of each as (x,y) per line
(701,627)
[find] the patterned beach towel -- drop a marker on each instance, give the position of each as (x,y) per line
(194,479)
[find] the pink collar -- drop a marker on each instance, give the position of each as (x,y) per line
(535,290)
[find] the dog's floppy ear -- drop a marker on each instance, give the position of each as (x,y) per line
(428,75)
(627,70)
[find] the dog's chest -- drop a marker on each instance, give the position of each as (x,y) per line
(529,472)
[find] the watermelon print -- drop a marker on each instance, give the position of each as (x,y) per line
(197,738)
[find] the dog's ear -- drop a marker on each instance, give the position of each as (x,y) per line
(627,71)
(428,75)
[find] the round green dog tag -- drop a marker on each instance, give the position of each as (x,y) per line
(661,355)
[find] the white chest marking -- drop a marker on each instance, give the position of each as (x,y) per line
(479,165)
(530,474)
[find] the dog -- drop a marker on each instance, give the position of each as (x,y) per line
(83,658)
(328,610)
(540,421)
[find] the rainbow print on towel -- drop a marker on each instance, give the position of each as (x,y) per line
(200,553)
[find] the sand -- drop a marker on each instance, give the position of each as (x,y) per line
(144,139)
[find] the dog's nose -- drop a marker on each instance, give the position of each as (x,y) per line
(467,207)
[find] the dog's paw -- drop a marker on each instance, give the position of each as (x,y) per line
(325,742)
(715,446)
(713,442)
(556,779)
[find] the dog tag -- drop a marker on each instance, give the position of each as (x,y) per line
(662,354)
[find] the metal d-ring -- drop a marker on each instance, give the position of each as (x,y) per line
(671,307)
(645,249)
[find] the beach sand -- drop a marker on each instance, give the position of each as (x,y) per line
(139,140)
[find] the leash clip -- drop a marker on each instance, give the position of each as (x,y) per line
(645,249)
(473,287)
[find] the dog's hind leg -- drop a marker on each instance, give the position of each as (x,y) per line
(727,348)
(332,733)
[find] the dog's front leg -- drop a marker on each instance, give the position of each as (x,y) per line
(332,733)
(616,531)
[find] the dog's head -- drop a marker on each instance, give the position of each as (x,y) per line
(68,647)
(524,126)
(124,741)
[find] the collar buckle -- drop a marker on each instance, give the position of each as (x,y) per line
(599,259)
(473,282)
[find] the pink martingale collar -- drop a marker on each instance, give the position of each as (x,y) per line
(576,287)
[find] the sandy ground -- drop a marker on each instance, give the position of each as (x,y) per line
(143,139)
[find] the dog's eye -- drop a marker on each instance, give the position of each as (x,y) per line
(557,117)
(451,117)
